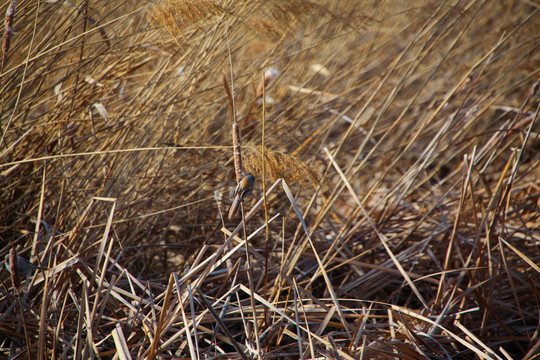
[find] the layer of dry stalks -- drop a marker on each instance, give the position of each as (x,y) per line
(420,118)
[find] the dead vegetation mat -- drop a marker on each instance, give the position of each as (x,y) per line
(396,156)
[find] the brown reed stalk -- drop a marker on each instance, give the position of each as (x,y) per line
(14,268)
(8,31)
(237,148)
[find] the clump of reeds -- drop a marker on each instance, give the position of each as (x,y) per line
(278,164)
(116,157)
(273,19)
(177,15)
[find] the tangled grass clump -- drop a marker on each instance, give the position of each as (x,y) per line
(414,126)
(278,164)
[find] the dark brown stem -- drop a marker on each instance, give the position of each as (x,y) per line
(8,30)
(237,148)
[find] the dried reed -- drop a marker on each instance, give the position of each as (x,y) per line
(424,126)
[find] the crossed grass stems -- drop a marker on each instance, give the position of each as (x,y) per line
(310,321)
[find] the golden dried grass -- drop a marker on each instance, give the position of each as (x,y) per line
(116,165)
(278,165)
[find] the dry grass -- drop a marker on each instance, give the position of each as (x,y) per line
(116,167)
(278,165)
